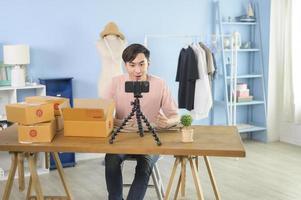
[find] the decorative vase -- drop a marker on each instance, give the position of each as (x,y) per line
(187,135)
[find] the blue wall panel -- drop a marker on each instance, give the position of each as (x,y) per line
(63,34)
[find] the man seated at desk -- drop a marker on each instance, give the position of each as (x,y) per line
(157,105)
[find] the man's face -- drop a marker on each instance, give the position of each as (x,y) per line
(137,68)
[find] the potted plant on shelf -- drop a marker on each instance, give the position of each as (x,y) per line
(187,131)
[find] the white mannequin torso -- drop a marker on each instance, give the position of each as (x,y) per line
(110,49)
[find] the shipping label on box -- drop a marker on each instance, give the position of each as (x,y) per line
(29,113)
(89,118)
(58,102)
(42,132)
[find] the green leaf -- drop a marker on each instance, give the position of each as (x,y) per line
(186,120)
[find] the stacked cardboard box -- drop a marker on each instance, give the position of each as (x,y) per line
(38,118)
(35,121)
(57,102)
(243,93)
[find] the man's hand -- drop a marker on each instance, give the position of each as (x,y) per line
(163,122)
(131,125)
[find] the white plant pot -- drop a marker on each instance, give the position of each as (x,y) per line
(187,135)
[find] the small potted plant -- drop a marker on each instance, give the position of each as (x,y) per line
(187,131)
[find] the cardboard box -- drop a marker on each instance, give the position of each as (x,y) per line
(89,118)
(42,132)
(29,113)
(58,102)
(59,122)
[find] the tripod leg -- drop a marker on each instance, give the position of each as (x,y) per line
(138,116)
(116,131)
(140,127)
(150,128)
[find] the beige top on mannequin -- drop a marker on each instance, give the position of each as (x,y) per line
(110,47)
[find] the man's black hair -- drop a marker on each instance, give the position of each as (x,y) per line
(130,53)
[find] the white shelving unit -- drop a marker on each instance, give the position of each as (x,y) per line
(13,95)
(245,66)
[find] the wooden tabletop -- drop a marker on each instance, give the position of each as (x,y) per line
(208,141)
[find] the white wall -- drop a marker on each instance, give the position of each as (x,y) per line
(290,133)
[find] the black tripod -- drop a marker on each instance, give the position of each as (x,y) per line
(136,109)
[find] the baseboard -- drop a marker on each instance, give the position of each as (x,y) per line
(290,140)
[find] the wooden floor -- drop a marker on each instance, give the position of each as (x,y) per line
(269,172)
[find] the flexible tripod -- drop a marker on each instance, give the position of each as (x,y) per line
(136,110)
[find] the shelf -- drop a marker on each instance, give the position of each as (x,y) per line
(31,87)
(247,76)
(250,67)
(5,88)
(244,128)
(239,23)
(247,103)
(241,103)
(242,50)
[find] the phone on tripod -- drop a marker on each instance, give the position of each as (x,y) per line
(136,87)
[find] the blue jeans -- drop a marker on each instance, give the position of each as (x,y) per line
(114,182)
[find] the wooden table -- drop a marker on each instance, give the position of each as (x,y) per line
(208,141)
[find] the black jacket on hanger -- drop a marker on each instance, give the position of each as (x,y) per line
(187,74)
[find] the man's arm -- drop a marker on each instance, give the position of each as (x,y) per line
(166,122)
(170,116)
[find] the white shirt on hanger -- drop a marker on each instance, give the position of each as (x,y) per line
(203,94)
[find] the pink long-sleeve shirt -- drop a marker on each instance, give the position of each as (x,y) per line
(158,99)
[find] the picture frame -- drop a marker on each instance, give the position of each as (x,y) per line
(5,75)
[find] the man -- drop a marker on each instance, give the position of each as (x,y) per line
(158,107)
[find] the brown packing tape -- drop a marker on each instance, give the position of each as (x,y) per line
(83,114)
(65,104)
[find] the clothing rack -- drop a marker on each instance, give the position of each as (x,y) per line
(201,37)
(147,36)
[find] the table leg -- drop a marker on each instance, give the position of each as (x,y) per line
(35,178)
(183,175)
(197,162)
(178,187)
(212,179)
(171,178)
(196,179)
(47,161)
(182,178)
(11,176)
(61,172)
(21,171)
(29,189)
